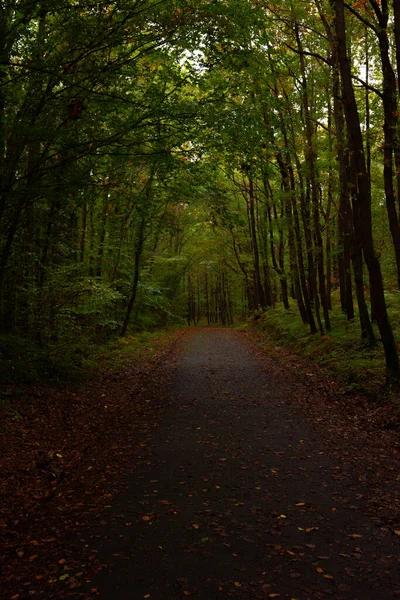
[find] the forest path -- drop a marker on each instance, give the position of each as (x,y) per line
(241,494)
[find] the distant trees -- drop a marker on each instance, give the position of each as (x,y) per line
(91,103)
(197,162)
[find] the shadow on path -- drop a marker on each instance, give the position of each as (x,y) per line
(239,494)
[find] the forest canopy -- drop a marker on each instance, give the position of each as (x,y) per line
(167,162)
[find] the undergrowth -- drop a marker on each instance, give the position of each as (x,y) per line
(119,353)
(26,363)
(341,352)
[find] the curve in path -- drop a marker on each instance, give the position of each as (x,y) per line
(240,496)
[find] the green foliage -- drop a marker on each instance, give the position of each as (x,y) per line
(341,353)
(172,197)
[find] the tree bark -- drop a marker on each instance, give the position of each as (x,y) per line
(363,197)
(345,221)
(136,273)
(311,161)
(257,277)
(391,145)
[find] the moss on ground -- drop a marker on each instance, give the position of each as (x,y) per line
(342,352)
(124,351)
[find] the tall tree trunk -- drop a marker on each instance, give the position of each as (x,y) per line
(305,288)
(396,9)
(263,243)
(102,237)
(311,161)
(288,208)
(136,273)
(391,144)
(82,245)
(367,107)
(364,195)
(257,276)
(345,221)
(206,296)
(328,224)
(367,331)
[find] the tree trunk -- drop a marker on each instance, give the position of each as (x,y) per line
(328,224)
(367,331)
(136,273)
(311,161)
(257,276)
(306,289)
(364,196)
(396,9)
(345,221)
(389,98)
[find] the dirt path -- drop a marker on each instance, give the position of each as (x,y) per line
(241,493)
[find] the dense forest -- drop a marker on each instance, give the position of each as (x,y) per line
(194,161)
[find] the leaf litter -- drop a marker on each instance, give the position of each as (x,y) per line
(320,457)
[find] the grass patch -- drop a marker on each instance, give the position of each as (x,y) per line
(23,362)
(341,352)
(119,353)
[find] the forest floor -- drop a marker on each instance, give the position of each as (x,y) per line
(212,470)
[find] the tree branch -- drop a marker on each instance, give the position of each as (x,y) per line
(313,54)
(367,86)
(362,19)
